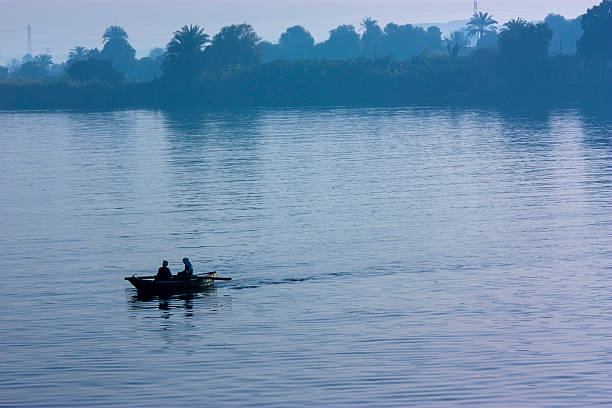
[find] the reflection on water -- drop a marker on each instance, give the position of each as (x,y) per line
(206,300)
(185,305)
(178,315)
(380,257)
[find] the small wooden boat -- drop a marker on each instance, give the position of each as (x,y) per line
(196,283)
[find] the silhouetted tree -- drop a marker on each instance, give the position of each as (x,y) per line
(566,34)
(296,43)
(114,33)
(434,38)
(597,25)
(372,37)
(37,68)
(118,50)
(480,24)
(77,54)
(156,53)
(455,42)
(523,51)
(93,53)
(3,73)
(271,52)
(343,43)
(147,69)
(31,71)
(522,42)
(43,60)
(234,45)
(406,41)
(13,65)
(57,71)
(488,40)
(184,58)
(92,69)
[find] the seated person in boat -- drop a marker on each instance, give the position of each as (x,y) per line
(163,273)
(187,273)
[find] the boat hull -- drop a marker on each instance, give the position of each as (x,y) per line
(195,284)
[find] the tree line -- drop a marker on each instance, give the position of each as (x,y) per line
(516,55)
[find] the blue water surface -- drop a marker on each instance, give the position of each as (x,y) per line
(380,257)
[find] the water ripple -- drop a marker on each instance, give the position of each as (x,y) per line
(402,257)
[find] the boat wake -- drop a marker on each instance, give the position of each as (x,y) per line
(251,283)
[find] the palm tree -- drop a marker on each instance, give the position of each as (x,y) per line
(480,24)
(118,50)
(515,24)
(371,36)
(454,42)
(114,33)
(368,24)
(93,53)
(184,52)
(77,54)
(43,60)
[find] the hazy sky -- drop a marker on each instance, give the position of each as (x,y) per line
(58,25)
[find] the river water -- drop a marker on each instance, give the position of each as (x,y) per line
(380,257)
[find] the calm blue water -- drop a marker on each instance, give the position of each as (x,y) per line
(392,257)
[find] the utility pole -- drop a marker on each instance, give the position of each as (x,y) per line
(29,47)
(475,6)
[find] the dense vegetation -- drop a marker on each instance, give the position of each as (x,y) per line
(556,60)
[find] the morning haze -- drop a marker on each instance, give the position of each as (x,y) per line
(306,204)
(58,25)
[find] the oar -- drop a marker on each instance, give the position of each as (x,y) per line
(213,277)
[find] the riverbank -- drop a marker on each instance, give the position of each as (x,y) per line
(482,81)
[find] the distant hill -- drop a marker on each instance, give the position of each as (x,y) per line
(446,28)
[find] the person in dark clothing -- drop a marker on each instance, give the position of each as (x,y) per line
(187,273)
(163,273)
